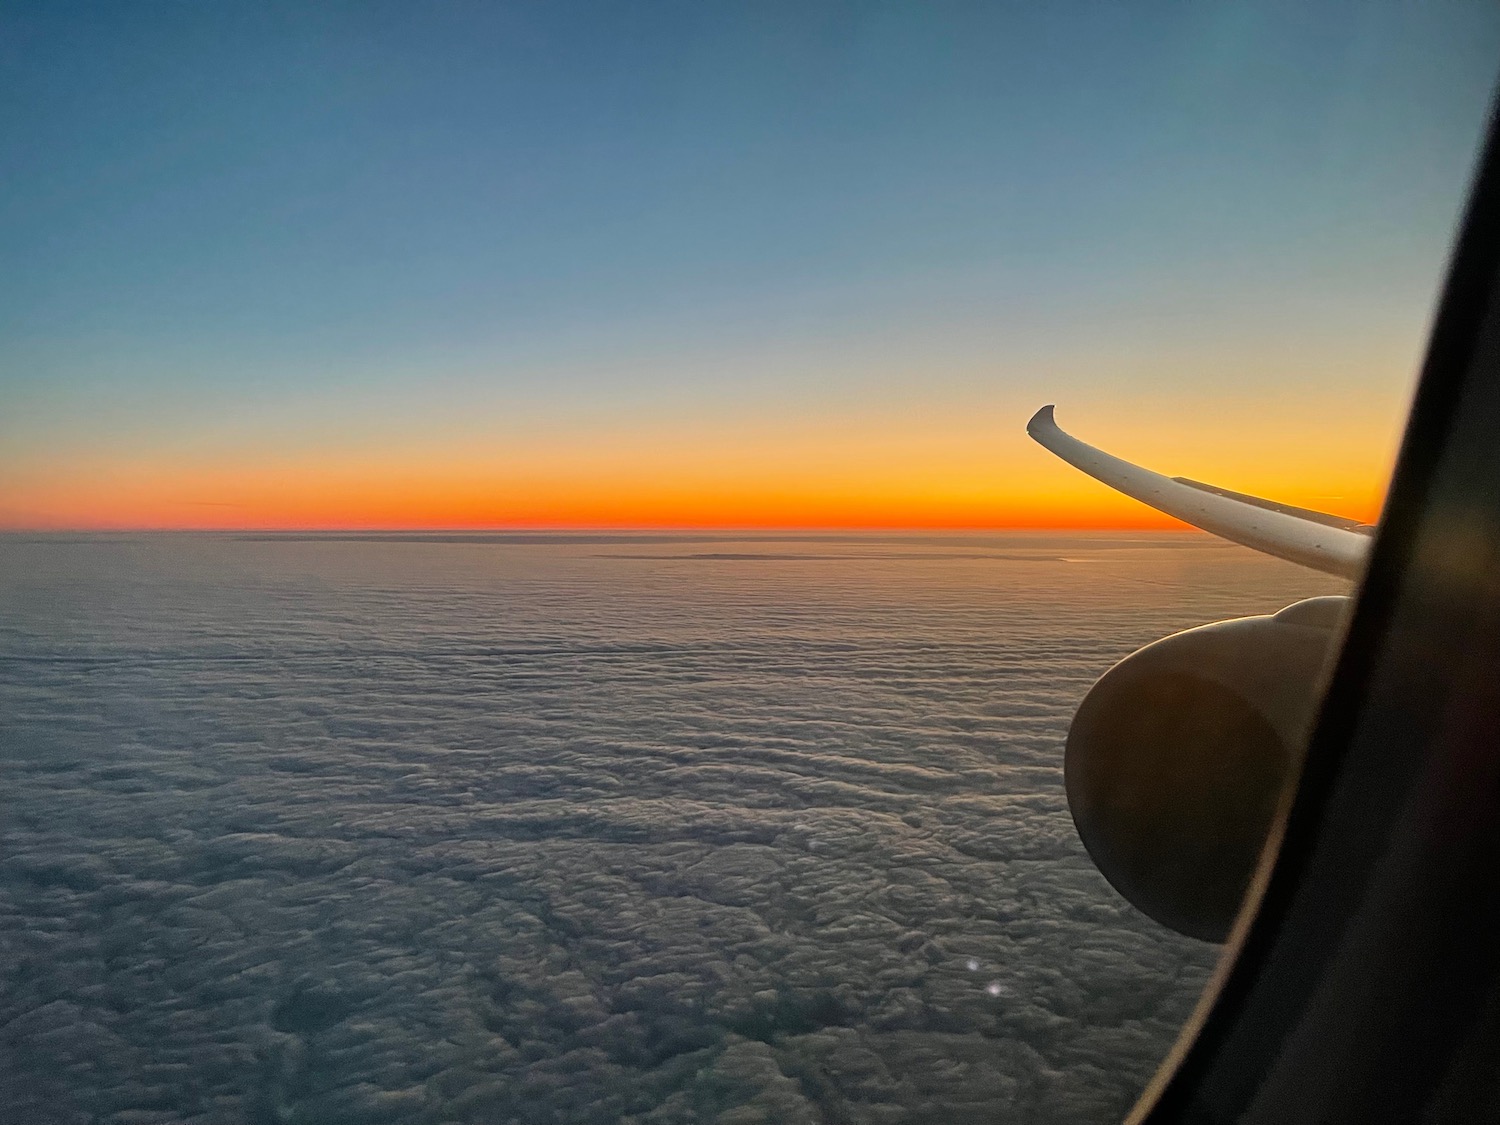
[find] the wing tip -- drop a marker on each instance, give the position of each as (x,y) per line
(1042,420)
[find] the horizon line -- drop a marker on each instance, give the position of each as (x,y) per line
(596,529)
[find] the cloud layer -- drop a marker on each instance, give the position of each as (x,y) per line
(445,832)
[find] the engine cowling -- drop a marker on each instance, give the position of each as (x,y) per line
(1178,756)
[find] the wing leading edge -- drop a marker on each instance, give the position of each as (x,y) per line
(1312,539)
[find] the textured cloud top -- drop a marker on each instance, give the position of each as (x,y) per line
(484,830)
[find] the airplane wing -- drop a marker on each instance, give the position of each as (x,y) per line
(1313,539)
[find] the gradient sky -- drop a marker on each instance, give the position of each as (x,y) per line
(714,265)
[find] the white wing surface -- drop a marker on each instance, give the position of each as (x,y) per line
(1312,539)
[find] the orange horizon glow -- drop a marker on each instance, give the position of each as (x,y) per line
(274,502)
(854,525)
(952,470)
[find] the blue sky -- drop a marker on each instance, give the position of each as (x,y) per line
(277,226)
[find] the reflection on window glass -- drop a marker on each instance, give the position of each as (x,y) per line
(525,591)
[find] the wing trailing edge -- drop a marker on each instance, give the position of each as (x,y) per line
(1311,539)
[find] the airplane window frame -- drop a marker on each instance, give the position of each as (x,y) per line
(1362,981)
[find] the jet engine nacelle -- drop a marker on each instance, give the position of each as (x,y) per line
(1178,756)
